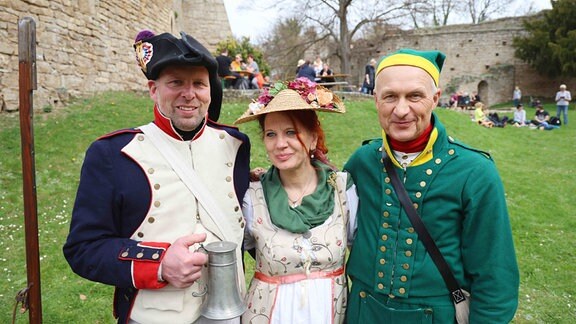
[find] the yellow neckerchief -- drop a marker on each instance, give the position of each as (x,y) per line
(424,156)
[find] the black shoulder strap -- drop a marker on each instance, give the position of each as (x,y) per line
(424,235)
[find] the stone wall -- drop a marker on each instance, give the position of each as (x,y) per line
(85,46)
(480,58)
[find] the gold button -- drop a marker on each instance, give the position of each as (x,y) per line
(438,161)
(383,170)
(384,237)
(140,138)
(386,214)
(231,194)
(382,261)
(380,274)
(422,184)
(387,180)
(418,194)
(385,225)
(410,229)
(387,191)
(151,170)
(139,255)
(222,135)
(151,220)
(157,186)
(380,286)
(402,291)
(140,234)
(406,266)
(228,179)
(408,253)
(415,205)
(429,171)
(242,225)
(239,219)
(403,278)
(155,256)
(124,254)
(451,151)
(236,208)
(156,204)
(383,248)
(362,294)
(408,241)
(391,296)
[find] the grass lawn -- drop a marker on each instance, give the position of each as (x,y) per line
(538,169)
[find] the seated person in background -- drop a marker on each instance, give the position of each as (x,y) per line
(453,100)
(480,115)
(238,64)
(318,66)
(252,66)
(497,121)
(519,116)
(474,98)
(224,62)
(306,71)
(541,119)
(326,71)
(464,100)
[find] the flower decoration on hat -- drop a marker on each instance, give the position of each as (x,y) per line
(298,94)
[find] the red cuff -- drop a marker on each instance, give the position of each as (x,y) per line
(146,260)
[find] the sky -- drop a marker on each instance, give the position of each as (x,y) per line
(255,18)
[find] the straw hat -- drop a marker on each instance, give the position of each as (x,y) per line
(317,98)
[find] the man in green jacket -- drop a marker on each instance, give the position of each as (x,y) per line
(458,194)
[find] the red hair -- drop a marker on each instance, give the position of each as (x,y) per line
(309,120)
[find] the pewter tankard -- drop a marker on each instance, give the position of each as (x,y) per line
(223,301)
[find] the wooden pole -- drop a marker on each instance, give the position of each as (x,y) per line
(27,83)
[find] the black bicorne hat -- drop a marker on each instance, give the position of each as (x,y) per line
(155,52)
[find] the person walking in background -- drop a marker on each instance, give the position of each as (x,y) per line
(368,85)
(136,222)
(454,189)
(563,98)
(516,96)
(300,213)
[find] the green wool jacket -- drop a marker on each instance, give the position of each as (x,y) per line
(460,197)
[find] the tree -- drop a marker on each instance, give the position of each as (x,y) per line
(285,45)
(481,10)
(338,22)
(550,43)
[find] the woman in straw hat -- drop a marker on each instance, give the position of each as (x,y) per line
(299,214)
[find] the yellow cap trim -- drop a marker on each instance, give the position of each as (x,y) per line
(412,60)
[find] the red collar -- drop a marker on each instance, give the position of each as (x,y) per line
(413,146)
(165,125)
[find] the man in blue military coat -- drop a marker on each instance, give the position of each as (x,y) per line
(136,223)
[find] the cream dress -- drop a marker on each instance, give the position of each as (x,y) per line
(299,277)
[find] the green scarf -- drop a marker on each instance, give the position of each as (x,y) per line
(314,209)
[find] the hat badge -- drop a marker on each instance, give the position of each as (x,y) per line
(144,52)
